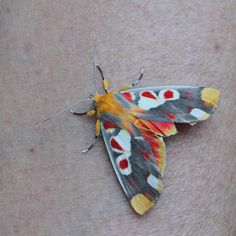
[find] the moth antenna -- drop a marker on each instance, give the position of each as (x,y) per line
(78,102)
(142,71)
(94,63)
(62,111)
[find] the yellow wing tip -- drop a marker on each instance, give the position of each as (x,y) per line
(141,204)
(210,96)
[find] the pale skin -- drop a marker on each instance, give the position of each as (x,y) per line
(47,186)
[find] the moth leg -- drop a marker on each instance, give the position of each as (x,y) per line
(105,81)
(139,79)
(91,146)
(88,113)
(77,113)
(133,84)
(98,130)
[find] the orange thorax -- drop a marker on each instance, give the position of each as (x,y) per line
(108,103)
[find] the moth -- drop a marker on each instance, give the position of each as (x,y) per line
(133,123)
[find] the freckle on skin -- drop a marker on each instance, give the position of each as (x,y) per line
(27,47)
(47,188)
(8,121)
(216,46)
(32,150)
(16,228)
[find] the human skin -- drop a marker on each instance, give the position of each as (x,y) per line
(47,187)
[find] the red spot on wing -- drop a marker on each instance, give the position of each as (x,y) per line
(146,155)
(123,164)
(115,145)
(127,96)
(168,94)
(190,109)
(131,184)
(109,125)
(171,116)
(148,95)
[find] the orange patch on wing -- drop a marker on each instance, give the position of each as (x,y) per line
(158,149)
(150,131)
(159,128)
(167,128)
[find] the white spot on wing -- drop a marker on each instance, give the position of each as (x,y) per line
(155,182)
(139,138)
(199,114)
(147,103)
(123,138)
(110,130)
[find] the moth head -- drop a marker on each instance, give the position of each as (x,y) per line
(96,98)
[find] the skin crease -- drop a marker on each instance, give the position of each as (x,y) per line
(47,187)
